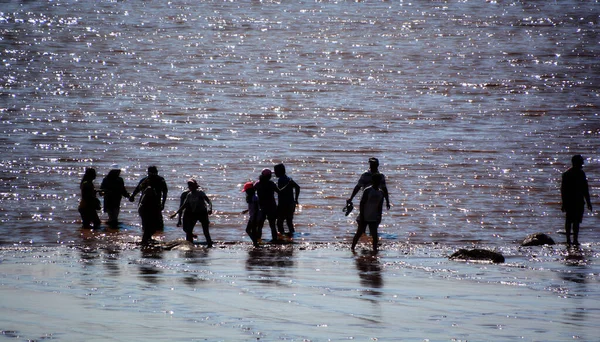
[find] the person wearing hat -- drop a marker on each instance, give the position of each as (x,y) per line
(253,211)
(196,207)
(159,186)
(366,180)
(265,190)
(113,187)
(574,193)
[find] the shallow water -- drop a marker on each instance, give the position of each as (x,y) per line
(473,108)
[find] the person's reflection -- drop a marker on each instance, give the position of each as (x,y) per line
(111,260)
(268,264)
(369,272)
(576,278)
(197,256)
(148,268)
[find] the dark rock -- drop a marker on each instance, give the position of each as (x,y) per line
(537,239)
(477,255)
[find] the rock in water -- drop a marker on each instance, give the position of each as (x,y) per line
(477,255)
(537,239)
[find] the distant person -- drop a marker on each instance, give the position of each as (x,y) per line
(574,193)
(365,180)
(196,207)
(289,191)
(89,203)
(113,187)
(158,184)
(371,207)
(265,190)
(253,212)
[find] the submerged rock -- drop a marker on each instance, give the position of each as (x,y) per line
(477,255)
(181,245)
(537,239)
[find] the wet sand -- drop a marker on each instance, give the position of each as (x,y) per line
(312,292)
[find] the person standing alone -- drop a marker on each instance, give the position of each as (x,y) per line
(574,193)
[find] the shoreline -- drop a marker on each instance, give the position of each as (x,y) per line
(287,293)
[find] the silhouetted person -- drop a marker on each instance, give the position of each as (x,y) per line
(149,210)
(196,207)
(371,207)
(574,194)
(89,203)
(253,212)
(265,190)
(113,187)
(158,184)
(289,191)
(365,180)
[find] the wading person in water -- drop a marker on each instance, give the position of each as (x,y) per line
(89,203)
(265,190)
(371,206)
(289,191)
(196,207)
(114,189)
(158,184)
(574,194)
(365,180)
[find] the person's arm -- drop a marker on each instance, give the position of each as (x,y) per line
(124,192)
(181,202)
(354,192)
(275,187)
(563,192)
(363,203)
(586,193)
(180,210)
(164,195)
(297,191)
(137,189)
(207,200)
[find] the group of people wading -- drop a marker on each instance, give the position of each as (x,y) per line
(195,206)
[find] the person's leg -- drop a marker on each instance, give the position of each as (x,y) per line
(205,225)
(280,219)
(568,230)
(95,219)
(260,223)
(251,230)
(85,222)
(359,232)
(373,230)
(272,223)
(290,223)
(189,222)
(576,233)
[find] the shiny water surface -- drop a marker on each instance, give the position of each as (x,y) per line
(474,109)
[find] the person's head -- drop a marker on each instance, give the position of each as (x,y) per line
(577,160)
(376,180)
(192,184)
(249,190)
(115,171)
(373,163)
(265,174)
(279,170)
(90,174)
(152,170)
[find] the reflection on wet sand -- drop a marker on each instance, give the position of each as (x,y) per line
(267,265)
(369,272)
